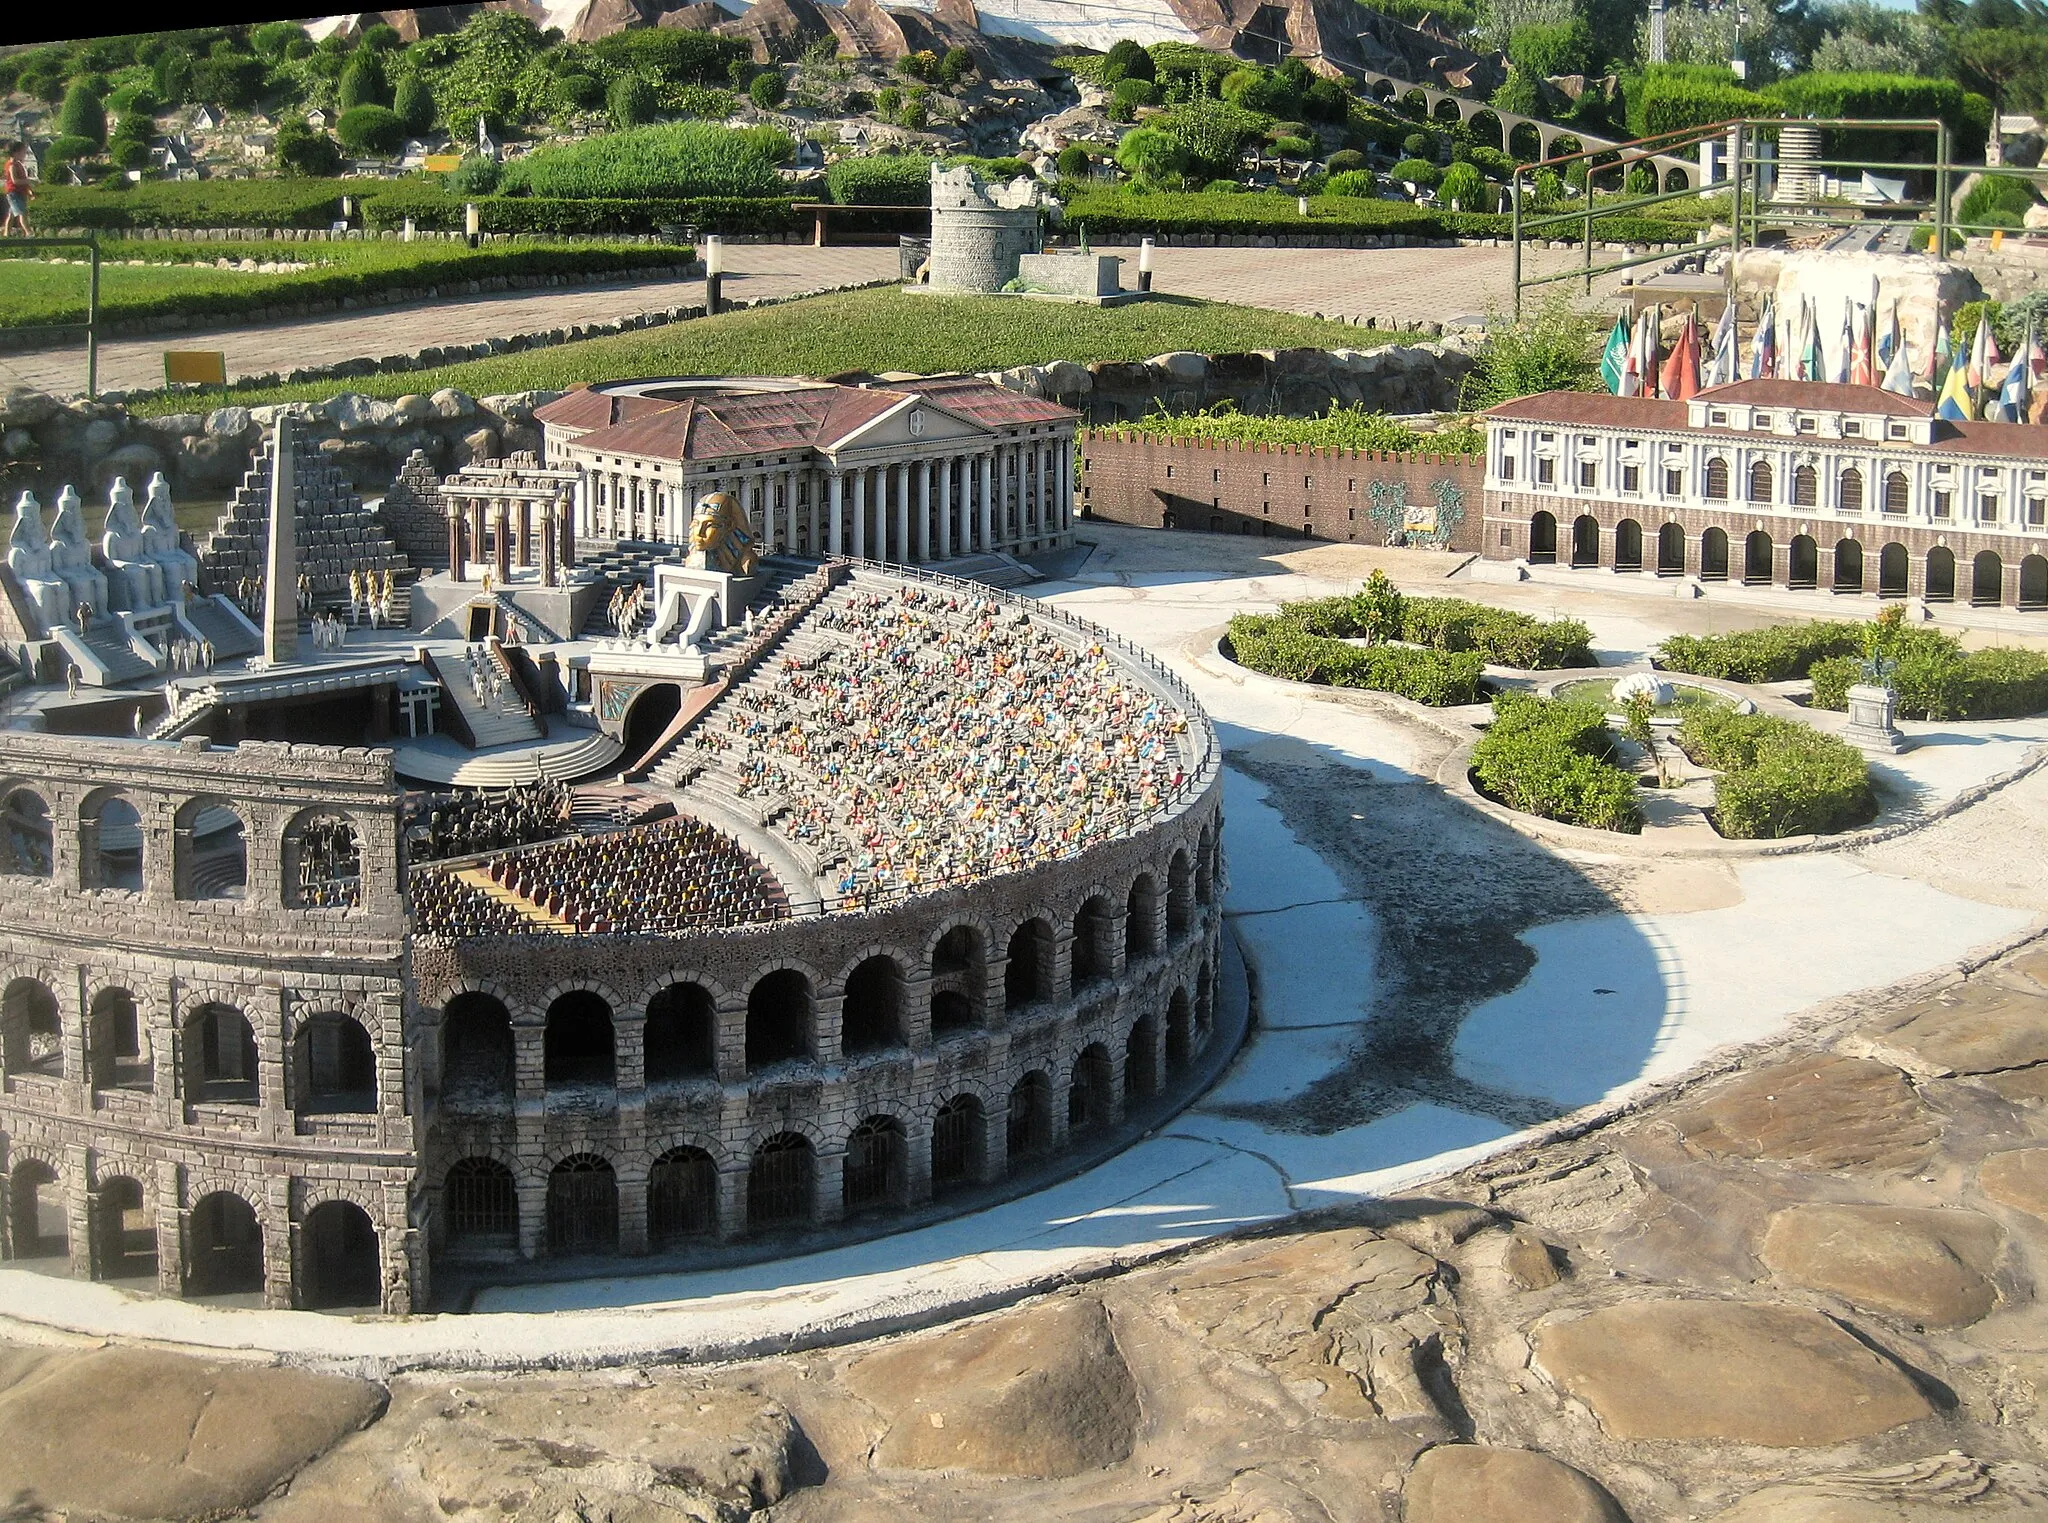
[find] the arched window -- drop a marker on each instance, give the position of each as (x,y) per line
(114,1045)
(220,1057)
(959,980)
(1760,481)
(778,1020)
(38,1226)
(1671,550)
(877,1165)
(111,841)
(1205,866)
(1756,557)
(682,1197)
(959,1141)
(226,1254)
(1091,959)
(323,863)
(1805,486)
(25,845)
(1892,571)
(31,1033)
(126,1231)
(871,1018)
(1180,896)
(1542,538)
(583,1206)
(1088,1091)
(1179,1035)
(1027,975)
(1848,566)
(480,1203)
(1141,914)
(1941,575)
(579,1050)
(1897,493)
(335,1066)
(1987,579)
(212,852)
(476,1054)
(1029,1125)
(338,1249)
(682,1034)
(781,1182)
(1850,491)
(1802,562)
(1717,479)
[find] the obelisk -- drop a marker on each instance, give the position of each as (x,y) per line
(281,570)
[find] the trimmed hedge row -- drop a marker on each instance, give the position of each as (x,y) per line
(1937,679)
(1280,647)
(1115,213)
(1778,777)
(1551,759)
(1500,636)
(198,203)
(1775,653)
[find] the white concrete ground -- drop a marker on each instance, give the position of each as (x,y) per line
(1661,967)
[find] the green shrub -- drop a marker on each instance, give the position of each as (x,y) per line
(629,102)
(1550,759)
(440,208)
(82,116)
(1128,95)
(882,180)
(1775,653)
(768,90)
(1419,145)
(1416,172)
(1502,636)
(1293,148)
(370,129)
(1887,97)
(1278,646)
(302,151)
(1150,155)
(70,149)
(1127,59)
(1351,182)
(1342,427)
(1254,89)
(1548,50)
(1833,676)
(1072,162)
(661,53)
(679,160)
(1937,679)
(234,79)
(1778,777)
(1997,200)
(1465,189)
(362,82)
(414,103)
(1344,160)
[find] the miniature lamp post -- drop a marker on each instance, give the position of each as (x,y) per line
(470,222)
(714,273)
(1301,204)
(1145,264)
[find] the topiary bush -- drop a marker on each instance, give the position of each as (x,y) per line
(82,116)
(629,102)
(1351,182)
(1344,160)
(1779,777)
(1937,679)
(1072,162)
(768,89)
(1279,646)
(370,129)
(1416,173)
(1502,636)
(1128,95)
(1776,653)
(1418,145)
(883,180)
(1551,759)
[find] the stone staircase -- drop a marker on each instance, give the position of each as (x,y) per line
(191,706)
(218,623)
(628,563)
(105,656)
(503,723)
(520,905)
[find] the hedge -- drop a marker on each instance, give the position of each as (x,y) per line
(1125,213)
(1499,636)
(884,180)
(1279,646)
(435,207)
(1551,759)
(1778,777)
(1776,653)
(1937,679)
(200,203)
(680,160)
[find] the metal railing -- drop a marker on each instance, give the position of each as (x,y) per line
(91,244)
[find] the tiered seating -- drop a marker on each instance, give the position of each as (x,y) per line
(439,825)
(443,905)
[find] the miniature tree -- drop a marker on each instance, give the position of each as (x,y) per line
(1379,609)
(82,115)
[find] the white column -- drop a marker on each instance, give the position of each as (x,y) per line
(835,485)
(923,537)
(860,512)
(1066,487)
(813,544)
(789,511)
(899,536)
(946,508)
(984,471)
(1034,511)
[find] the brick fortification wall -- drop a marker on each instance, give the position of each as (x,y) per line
(1221,487)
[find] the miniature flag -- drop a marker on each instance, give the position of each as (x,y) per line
(1938,357)
(1842,366)
(1763,349)
(1892,341)
(1649,330)
(1812,364)
(1898,370)
(1615,356)
(1863,360)
(1680,379)
(1726,359)
(2037,378)
(2011,404)
(1958,403)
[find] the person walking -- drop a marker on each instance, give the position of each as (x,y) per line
(14,186)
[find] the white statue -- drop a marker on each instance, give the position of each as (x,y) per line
(28,557)
(180,568)
(71,556)
(134,582)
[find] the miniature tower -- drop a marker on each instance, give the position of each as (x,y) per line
(281,570)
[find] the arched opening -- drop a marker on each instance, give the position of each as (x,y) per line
(1585,540)
(1205,1005)
(1676,179)
(225,1257)
(578,1050)
(480,1203)
(1179,1031)
(1205,866)
(1805,486)
(1671,550)
(1485,129)
(1141,1064)
(1088,1093)
(1850,491)
(1802,562)
(114,1047)
(1027,974)
(1714,555)
(31,1033)
(1141,917)
(335,1065)
(1897,493)
(871,1018)
(1628,545)
(1760,481)
(780,1183)
(1717,479)
(323,863)
(36,1223)
(1892,571)
(583,1207)
(339,1267)
(213,855)
(1525,143)
(220,1057)
(2034,582)
(1756,558)
(652,711)
(1445,112)
(113,846)
(25,838)
(877,1165)
(1414,105)
(1941,575)
(1091,959)
(1542,539)
(1848,566)
(778,1020)
(476,1054)
(1180,897)
(127,1233)
(1028,1127)
(959,980)
(1987,579)
(682,1197)
(959,1143)
(682,1034)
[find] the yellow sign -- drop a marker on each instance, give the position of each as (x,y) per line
(1997,239)
(209,367)
(443,163)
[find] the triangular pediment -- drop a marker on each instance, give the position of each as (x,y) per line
(913,423)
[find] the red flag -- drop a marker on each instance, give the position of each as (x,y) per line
(1680,379)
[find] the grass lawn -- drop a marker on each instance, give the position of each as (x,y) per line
(1682,697)
(875,330)
(181,277)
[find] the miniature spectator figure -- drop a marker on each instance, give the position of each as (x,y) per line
(14,184)
(71,678)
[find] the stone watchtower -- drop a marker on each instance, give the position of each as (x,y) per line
(978,232)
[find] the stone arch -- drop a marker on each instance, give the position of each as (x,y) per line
(220,1055)
(1091,950)
(1756,557)
(1029,1122)
(480,1205)
(478,1055)
(1444,111)
(1180,896)
(959,1143)
(31,1029)
(1677,177)
(322,850)
(117,1045)
(1893,570)
(680,1037)
(872,1014)
(1802,562)
(682,1196)
(1028,975)
(339,1262)
(38,1224)
(1381,89)
(958,958)
(877,1173)
(579,1048)
(1987,579)
(1141,1070)
(1585,540)
(111,842)
(582,1206)
(1628,545)
(224,1254)
(1525,142)
(1413,103)
(1486,129)
(780,1011)
(1089,1103)
(1941,575)
(2034,582)
(211,846)
(1542,538)
(1848,566)
(1180,1013)
(782,1182)
(1141,918)
(1671,549)
(124,1229)
(334,1065)
(27,841)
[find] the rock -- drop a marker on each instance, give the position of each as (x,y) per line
(1528,1262)
(1181,365)
(177,424)
(414,408)
(1932,1267)
(1822,1113)
(1978,1028)
(101,435)
(353,413)
(450,404)
(1432,1226)
(137,462)
(1720,1370)
(228,422)
(1065,378)
(1938,1489)
(2018,1179)
(478,444)
(1041,1394)
(16,442)
(203,1437)
(24,408)
(1469,1483)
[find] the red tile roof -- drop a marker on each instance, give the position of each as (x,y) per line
(1595,408)
(1829,396)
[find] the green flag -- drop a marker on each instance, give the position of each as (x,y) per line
(1615,356)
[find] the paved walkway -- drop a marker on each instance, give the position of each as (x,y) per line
(1402,286)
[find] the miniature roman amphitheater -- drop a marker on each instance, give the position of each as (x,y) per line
(402,900)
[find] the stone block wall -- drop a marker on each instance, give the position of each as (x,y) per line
(1357,496)
(335,534)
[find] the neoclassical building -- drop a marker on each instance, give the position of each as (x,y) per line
(910,471)
(1793,483)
